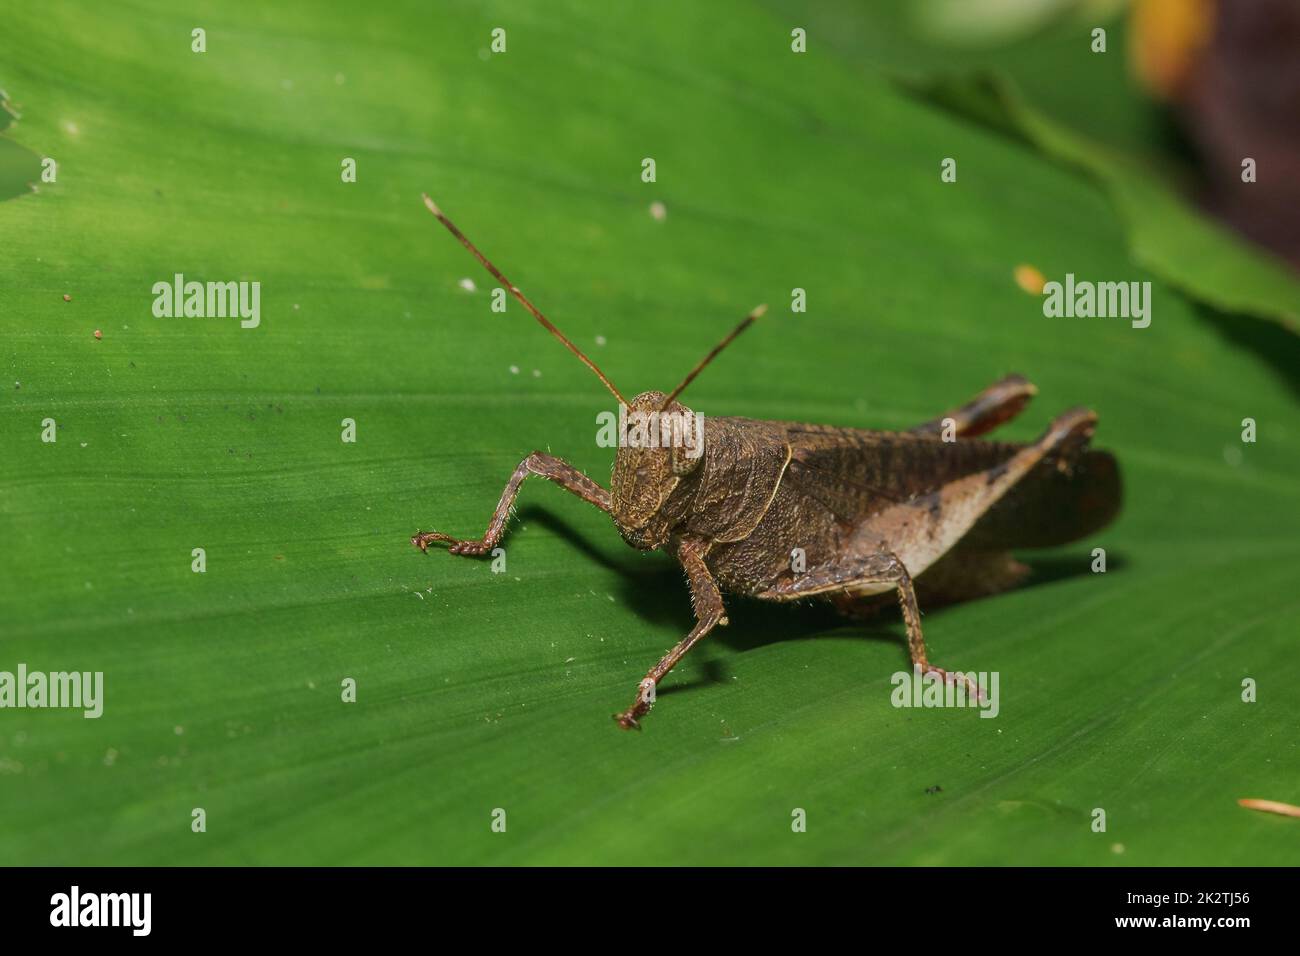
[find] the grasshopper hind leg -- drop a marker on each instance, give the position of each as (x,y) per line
(925,535)
(996,405)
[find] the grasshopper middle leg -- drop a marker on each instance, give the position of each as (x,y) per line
(538,463)
(709,613)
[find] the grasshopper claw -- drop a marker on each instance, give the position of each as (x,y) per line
(972,688)
(627,721)
(422,540)
(645,698)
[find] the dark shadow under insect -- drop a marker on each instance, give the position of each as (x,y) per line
(757,624)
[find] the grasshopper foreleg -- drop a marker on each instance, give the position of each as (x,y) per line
(709,613)
(538,463)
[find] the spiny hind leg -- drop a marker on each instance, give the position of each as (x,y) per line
(865,575)
(538,463)
(996,405)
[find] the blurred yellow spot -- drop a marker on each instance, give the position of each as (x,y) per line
(1029,279)
(1167,37)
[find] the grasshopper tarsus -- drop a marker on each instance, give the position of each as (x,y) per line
(472,549)
(422,540)
(949,678)
(627,720)
(630,719)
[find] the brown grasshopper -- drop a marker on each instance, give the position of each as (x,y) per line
(866,512)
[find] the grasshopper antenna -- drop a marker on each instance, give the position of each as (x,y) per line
(514,290)
(744,324)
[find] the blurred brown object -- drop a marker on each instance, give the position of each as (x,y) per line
(1231,71)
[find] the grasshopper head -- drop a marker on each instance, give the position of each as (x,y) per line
(657,447)
(661,441)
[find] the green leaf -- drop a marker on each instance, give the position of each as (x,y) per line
(19,167)
(1166,234)
(478,691)
(1083,109)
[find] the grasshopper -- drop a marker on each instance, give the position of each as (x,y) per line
(865,512)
